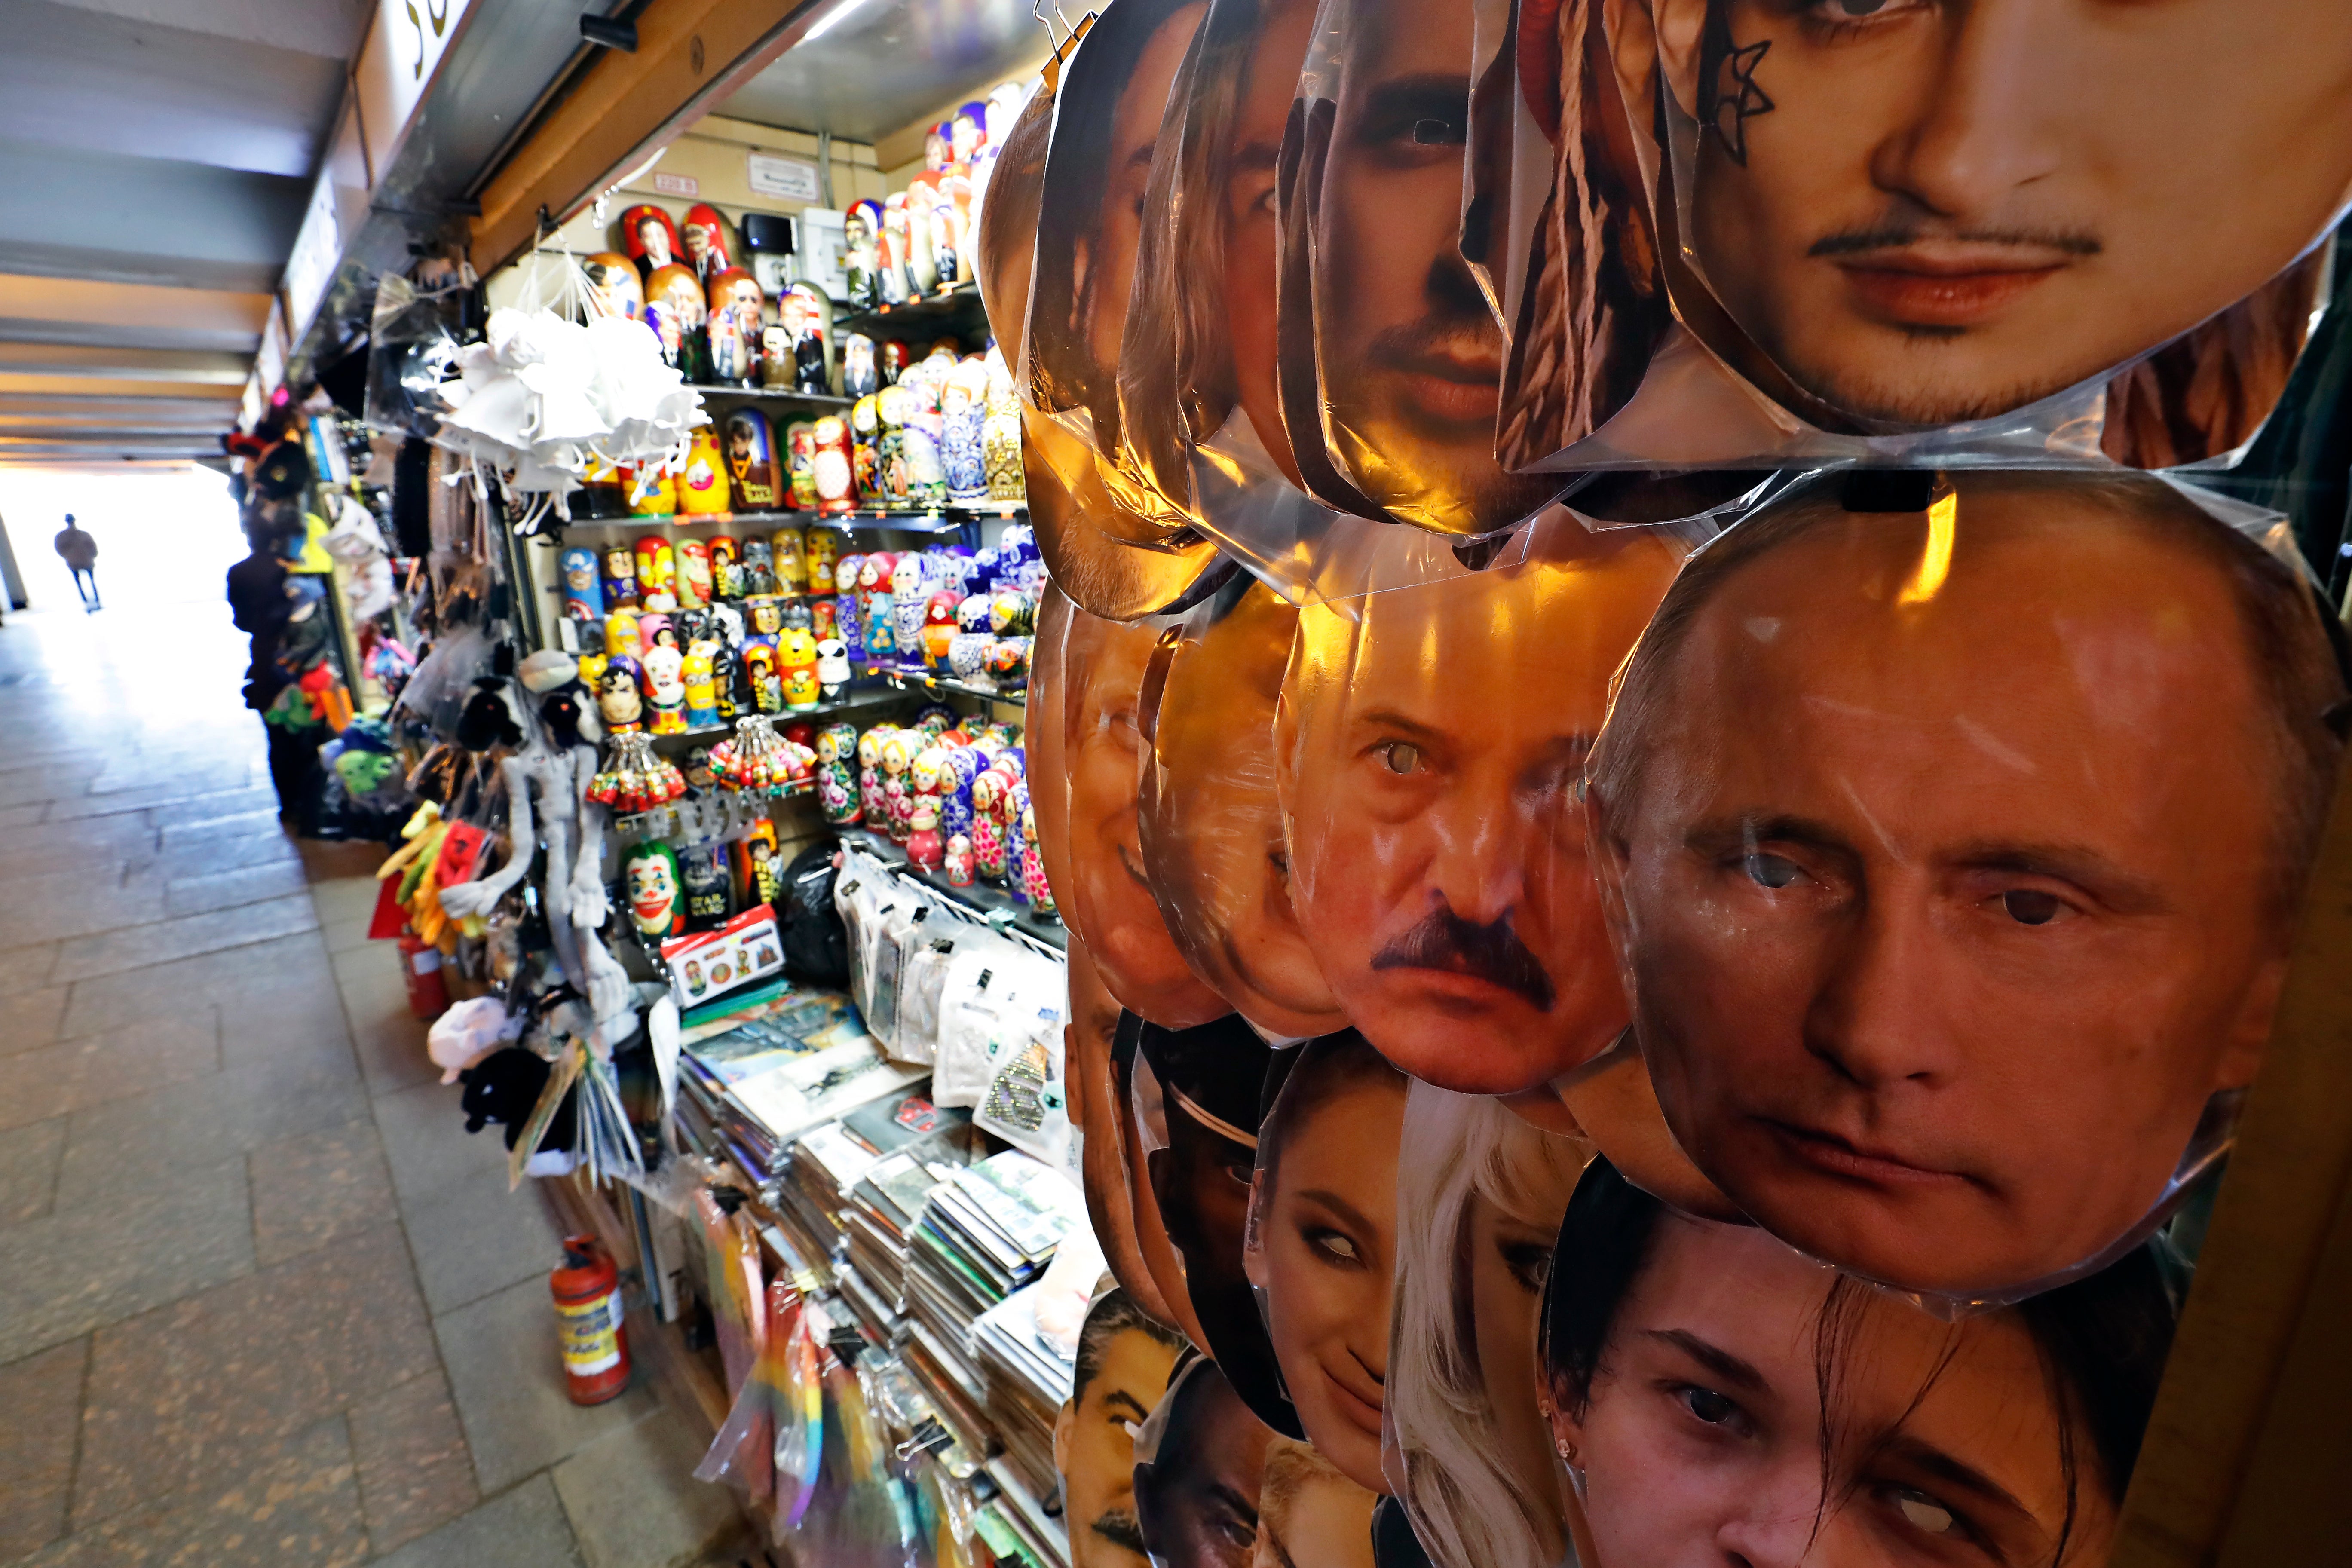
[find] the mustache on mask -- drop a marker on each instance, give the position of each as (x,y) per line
(1444,941)
(1120,1527)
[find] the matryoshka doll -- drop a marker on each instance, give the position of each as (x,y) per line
(619,578)
(911,591)
(701,695)
(860,376)
(836,755)
(751,461)
(833,671)
(939,629)
(927,778)
(925,847)
(824,619)
(999,439)
(726,572)
(583,596)
(665,687)
(847,623)
(702,869)
(895,359)
(796,667)
(899,750)
(735,299)
(823,555)
(865,455)
(835,466)
(656,572)
(651,239)
(678,310)
(956,860)
(963,767)
(812,360)
(922,265)
(893,250)
(615,287)
(950,210)
(620,695)
(861,262)
(760,665)
(788,548)
(876,610)
(694,585)
(927,473)
(1032,859)
(649,875)
(758,865)
(602,493)
(764,617)
(963,414)
(872,799)
(655,630)
(988,789)
(708,248)
(702,489)
(758,573)
(891,406)
(622,636)
(800,447)
(652,488)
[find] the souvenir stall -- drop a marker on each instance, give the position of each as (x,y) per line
(1370,795)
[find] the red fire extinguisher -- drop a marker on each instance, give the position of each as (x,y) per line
(588,1316)
(420,965)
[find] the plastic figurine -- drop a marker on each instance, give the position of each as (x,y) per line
(701,695)
(796,667)
(664,688)
(649,874)
(620,700)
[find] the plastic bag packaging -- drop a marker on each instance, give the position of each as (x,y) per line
(1885,1002)
(1390,358)
(414,338)
(1428,749)
(744,1452)
(1945,248)
(1209,823)
(732,1278)
(921,988)
(1325,1186)
(1465,1447)
(2074,1374)
(1027,1102)
(444,682)
(992,989)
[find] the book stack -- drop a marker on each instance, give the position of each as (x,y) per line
(1028,1382)
(751,1090)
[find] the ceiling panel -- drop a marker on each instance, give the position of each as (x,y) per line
(330,27)
(207,99)
(888,63)
(156,221)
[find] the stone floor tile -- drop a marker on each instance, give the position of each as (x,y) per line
(29,1173)
(77,1269)
(74,1075)
(197,808)
(348,935)
(114,836)
(317,1188)
(341,898)
(78,899)
(226,977)
(183,937)
(425,1140)
(179,1395)
(386,1030)
(414,1472)
(42,1397)
(295,1504)
(298,1022)
(507,1381)
(138,799)
(634,1502)
(31,1018)
(120,1147)
(204,855)
(476,1238)
(227,890)
(258,820)
(23,970)
(22,815)
(523,1529)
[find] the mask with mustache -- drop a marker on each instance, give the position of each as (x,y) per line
(1492,952)
(1118,1527)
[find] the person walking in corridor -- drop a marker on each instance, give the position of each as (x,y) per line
(79,551)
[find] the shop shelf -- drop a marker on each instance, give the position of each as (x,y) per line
(957,312)
(992,903)
(909,678)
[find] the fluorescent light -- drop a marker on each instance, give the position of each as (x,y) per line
(840,10)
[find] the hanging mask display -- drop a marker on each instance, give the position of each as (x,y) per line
(2063,872)
(1939,244)
(649,875)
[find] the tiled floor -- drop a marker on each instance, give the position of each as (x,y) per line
(262,1300)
